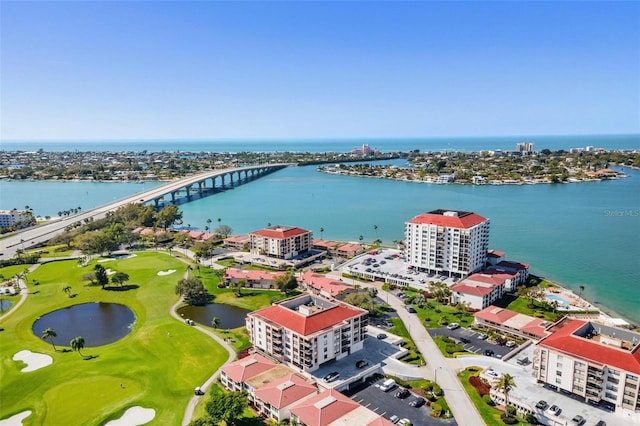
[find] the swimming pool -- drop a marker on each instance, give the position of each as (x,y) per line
(560,300)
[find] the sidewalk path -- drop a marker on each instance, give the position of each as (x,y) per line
(188,412)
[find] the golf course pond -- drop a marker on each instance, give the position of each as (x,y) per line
(228,316)
(98,323)
(5,305)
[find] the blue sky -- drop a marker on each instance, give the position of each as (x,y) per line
(220,70)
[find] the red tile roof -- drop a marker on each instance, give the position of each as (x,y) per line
(350,248)
(306,325)
(246,368)
(380,421)
(465,221)
(280,233)
(495,253)
(323,283)
(285,391)
(325,243)
(513,265)
(472,289)
(324,408)
(562,339)
(237,239)
(251,275)
(495,314)
(491,279)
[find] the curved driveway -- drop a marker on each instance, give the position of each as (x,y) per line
(440,371)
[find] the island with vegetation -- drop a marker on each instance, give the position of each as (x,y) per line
(498,168)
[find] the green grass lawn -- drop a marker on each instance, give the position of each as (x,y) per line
(9,272)
(489,414)
(156,370)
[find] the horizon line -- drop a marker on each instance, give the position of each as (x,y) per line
(307,138)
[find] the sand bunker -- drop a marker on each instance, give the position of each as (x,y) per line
(33,360)
(170,271)
(117,257)
(134,416)
(16,419)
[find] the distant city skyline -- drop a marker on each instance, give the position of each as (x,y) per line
(340,70)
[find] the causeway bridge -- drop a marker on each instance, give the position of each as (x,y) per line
(176,192)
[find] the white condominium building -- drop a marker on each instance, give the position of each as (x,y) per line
(307,331)
(283,242)
(11,217)
(597,363)
(447,242)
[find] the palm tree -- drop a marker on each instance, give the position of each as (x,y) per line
(77,344)
(375,228)
(321,232)
(215,322)
(505,384)
(50,333)
(581,287)
(208,224)
(67,289)
(360,238)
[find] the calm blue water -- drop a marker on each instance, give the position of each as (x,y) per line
(334,145)
(575,234)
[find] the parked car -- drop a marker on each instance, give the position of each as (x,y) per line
(542,405)
(488,352)
(578,420)
(417,402)
(381,336)
(523,360)
(453,326)
(198,391)
(402,393)
(601,423)
(362,363)
(501,341)
(510,344)
(331,376)
(554,410)
(410,309)
(404,422)
(394,419)
(482,336)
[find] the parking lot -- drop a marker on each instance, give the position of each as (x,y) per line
(469,339)
(389,266)
(385,404)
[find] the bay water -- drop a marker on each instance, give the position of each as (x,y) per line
(574,234)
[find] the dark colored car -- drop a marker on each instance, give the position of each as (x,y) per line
(488,352)
(331,376)
(402,393)
(578,420)
(381,336)
(542,405)
(417,402)
(362,363)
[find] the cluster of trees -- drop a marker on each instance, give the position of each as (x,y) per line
(193,291)
(99,276)
(227,407)
(108,234)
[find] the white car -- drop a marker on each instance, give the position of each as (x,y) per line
(394,419)
(404,422)
(453,326)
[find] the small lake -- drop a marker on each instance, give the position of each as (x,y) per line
(229,316)
(5,305)
(98,323)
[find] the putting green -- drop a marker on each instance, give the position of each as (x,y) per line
(159,363)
